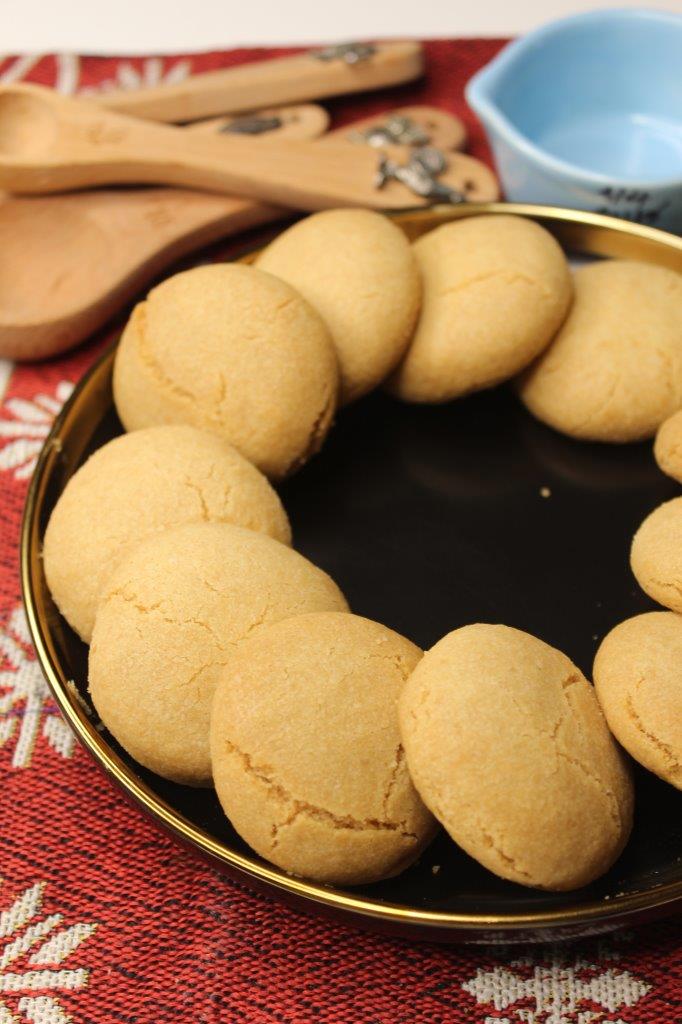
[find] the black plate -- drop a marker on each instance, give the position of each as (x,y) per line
(428,518)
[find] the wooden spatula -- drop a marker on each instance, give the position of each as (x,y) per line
(308,76)
(71,261)
(51,143)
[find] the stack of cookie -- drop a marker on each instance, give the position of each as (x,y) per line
(220,656)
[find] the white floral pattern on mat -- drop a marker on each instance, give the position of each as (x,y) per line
(66,72)
(551,989)
(152,74)
(24,425)
(33,948)
(26,707)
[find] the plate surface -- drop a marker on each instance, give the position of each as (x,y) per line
(428,517)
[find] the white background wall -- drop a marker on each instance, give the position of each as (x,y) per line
(166,26)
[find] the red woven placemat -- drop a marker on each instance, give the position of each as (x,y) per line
(104,919)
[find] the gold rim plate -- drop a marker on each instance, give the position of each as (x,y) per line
(74,432)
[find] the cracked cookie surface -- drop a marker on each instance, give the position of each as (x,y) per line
(357,269)
(614,370)
(171,617)
(507,746)
(237,352)
(496,290)
(638,680)
(137,485)
(306,751)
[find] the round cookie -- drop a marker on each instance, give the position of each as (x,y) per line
(306,750)
(496,290)
(668,447)
(638,679)
(358,270)
(656,555)
(171,617)
(614,371)
(507,746)
(235,351)
(139,484)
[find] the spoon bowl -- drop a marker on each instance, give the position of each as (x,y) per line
(27,125)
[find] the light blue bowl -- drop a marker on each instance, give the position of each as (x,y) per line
(587,112)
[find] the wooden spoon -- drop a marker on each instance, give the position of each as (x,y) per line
(71,261)
(306,76)
(51,143)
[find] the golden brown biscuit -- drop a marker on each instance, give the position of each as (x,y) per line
(357,269)
(306,751)
(139,484)
(656,555)
(496,290)
(170,619)
(638,679)
(668,446)
(614,370)
(235,351)
(507,746)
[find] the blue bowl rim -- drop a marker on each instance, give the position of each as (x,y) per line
(478,86)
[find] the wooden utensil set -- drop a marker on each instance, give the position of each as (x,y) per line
(72,260)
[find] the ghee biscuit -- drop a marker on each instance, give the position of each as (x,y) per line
(358,270)
(638,679)
(668,446)
(306,751)
(171,617)
(137,485)
(614,371)
(507,746)
(656,555)
(233,350)
(496,290)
